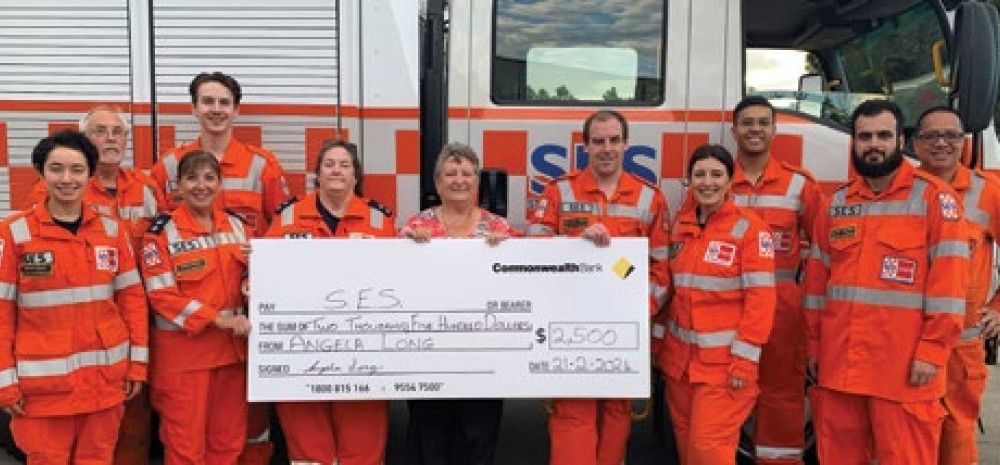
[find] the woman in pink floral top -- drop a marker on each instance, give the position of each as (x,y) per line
(456,177)
(460,431)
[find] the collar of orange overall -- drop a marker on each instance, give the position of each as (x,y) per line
(687,217)
(588,183)
(772,172)
(50,228)
(963,178)
(233,145)
(184,219)
(306,208)
(903,180)
(125,181)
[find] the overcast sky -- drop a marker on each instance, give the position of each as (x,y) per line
(774,69)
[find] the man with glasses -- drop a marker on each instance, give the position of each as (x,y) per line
(939,142)
(123,193)
(885,281)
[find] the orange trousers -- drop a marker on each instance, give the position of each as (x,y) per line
(203,414)
(966,378)
(707,420)
(81,439)
(133,435)
(855,429)
(258,448)
(589,431)
(343,432)
(779,435)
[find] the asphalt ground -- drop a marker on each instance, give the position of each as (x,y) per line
(524,437)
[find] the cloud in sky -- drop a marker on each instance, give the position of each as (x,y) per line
(526,24)
(774,69)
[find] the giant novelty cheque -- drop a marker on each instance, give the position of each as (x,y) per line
(453,318)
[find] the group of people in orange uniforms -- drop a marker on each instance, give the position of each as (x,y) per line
(757,280)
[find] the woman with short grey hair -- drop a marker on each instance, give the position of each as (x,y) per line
(461,431)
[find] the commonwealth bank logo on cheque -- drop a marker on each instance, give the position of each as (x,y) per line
(623,268)
(580,267)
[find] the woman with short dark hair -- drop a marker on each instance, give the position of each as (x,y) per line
(72,315)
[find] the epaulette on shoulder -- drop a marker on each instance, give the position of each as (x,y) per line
(237,215)
(797,169)
(287,203)
(643,180)
(159,222)
(933,180)
(382,208)
(988,176)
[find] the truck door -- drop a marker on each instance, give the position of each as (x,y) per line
(523,75)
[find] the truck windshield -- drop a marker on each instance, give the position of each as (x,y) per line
(553,52)
(889,57)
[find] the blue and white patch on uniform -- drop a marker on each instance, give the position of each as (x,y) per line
(106,258)
(151,255)
(765,244)
(949,206)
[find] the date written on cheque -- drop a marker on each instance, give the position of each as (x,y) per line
(418,386)
(337,388)
(581,365)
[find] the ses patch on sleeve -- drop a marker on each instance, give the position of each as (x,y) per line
(765,244)
(949,206)
(151,255)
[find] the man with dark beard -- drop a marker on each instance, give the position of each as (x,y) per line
(885,294)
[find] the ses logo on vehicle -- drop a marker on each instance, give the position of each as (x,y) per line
(550,160)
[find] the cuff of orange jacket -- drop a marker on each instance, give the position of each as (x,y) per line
(743,369)
(934,353)
(202,317)
(10,393)
(137,372)
(540,230)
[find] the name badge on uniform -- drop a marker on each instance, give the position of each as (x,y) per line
(359,235)
(106,258)
(298,235)
(190,267)
(720,253)
(578,222)
(843,232)
(37,264)
(899,269)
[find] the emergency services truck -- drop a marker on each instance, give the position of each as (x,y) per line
(513,78)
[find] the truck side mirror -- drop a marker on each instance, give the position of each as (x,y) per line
(812,83)
(975,74)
